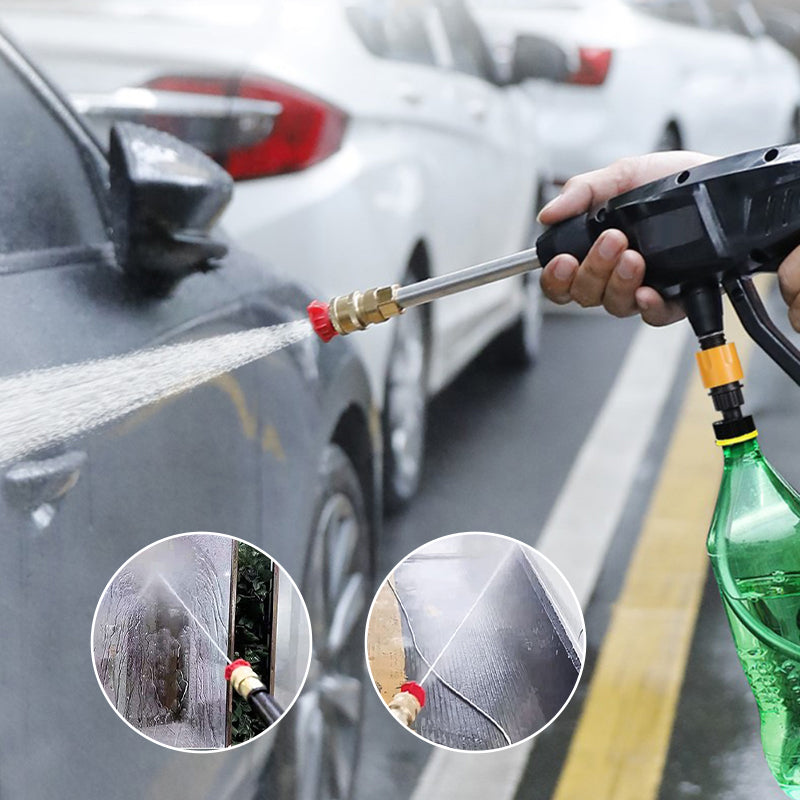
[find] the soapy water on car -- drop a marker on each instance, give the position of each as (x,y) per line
(48,406)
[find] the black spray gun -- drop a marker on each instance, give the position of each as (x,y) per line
(701,231)
(708,227)
(704,228)
(711,226)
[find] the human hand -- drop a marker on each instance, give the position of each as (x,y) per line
(611,275)
(789,282)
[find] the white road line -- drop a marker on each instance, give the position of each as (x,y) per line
(578,533)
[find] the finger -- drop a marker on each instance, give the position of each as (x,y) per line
(619,298)
(593,275)
(556,279)
(789,277)
(582,192)
(655,310)
(794,313)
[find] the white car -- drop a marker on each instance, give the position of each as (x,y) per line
(641,75)
(371,142)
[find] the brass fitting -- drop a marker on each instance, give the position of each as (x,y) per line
(355,311)
(243,680)
(404,707)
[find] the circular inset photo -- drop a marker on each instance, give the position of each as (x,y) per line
(475,642)
(201,642)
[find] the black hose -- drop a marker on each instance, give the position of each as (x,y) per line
(265,705)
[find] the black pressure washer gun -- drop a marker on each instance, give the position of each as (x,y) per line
(708,227)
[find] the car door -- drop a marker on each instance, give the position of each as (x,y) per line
(710,70)
(73,511)
(499,184)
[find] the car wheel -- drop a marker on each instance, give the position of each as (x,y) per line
(317,757)
(670,139)
(794,127)
(518,346)
(405,407)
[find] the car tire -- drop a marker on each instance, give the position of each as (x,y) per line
(670,139)
(794,127)
(518,346)
(405,406)
(319,743)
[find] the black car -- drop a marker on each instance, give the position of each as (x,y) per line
(106,252)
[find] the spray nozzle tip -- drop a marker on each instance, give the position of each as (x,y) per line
(240,662)
(414,689)
(320,316)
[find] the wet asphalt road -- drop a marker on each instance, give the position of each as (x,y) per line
(500,446)
(715,750)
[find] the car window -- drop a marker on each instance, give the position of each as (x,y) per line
(392,29)
(47,199)
(738,16)
(685,12)
(467,45)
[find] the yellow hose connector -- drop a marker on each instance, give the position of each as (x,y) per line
(719,365)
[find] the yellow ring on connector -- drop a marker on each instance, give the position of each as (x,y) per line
(745,437)
(719,365)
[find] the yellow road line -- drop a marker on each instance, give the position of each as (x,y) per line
(621,742)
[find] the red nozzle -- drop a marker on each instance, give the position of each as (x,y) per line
(416,690)
(320,318)
(240,662)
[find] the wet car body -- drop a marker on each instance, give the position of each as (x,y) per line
(436,164)
(248,454)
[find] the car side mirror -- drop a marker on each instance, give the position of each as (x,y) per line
(537,57)
(165,198)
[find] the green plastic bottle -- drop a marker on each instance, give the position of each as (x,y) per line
(754,545)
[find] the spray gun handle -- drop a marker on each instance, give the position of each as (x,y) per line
(750,310)
(574,236)
(710,226)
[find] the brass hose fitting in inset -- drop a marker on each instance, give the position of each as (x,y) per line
(355,311)
(242,678)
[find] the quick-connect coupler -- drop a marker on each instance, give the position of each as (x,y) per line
(248,685)
(354,312)
(722,374)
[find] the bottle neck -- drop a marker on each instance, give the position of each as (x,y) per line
(739,451)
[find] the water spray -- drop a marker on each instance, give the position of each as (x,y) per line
(243,679)
(44,407)
(194,618)
(409,701)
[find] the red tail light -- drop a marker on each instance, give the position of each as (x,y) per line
(593,68)
(306,131)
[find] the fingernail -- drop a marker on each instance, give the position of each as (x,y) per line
(547,207)
(563,270)
(609,247)
(625,268)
